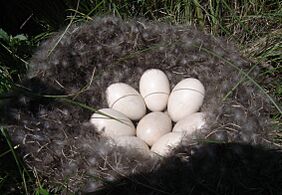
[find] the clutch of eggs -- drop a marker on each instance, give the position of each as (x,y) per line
(154,129)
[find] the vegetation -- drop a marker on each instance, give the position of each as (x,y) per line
(255,26)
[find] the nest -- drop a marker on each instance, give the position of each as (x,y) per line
(51,123)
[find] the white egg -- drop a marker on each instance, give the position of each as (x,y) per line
(167,142)
(186,98)
(152,126)
(127,100)
(132,142)
(112,123)
(190,123)
(154,88)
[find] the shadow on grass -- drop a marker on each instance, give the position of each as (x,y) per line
(212,169)
(10,177)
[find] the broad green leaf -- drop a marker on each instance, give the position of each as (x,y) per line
(21,37)
(4,35)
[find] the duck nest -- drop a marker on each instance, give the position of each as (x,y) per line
(48,115)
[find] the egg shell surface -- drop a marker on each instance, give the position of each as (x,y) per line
(152,126)
(167,142)
(132,142)
(190,123)
(125,99)
(112,123)
(186,98)
(154,88)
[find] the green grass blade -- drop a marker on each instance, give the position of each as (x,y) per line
(22,170)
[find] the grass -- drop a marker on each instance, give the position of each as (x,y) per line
(255,26)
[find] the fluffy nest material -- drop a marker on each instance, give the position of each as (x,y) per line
(49,118)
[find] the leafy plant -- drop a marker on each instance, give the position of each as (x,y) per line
(14,51)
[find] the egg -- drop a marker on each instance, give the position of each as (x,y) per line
(132,142)
(190,123)
(112,123)
(126,99)
(154,88)
(186,98)
(152,126)
(167,142)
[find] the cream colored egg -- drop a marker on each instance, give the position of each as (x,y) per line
(127,100)
(132,142)
(154,88)
(152,126)
(112,123)
(190,123)
(186,98)
(166,143)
